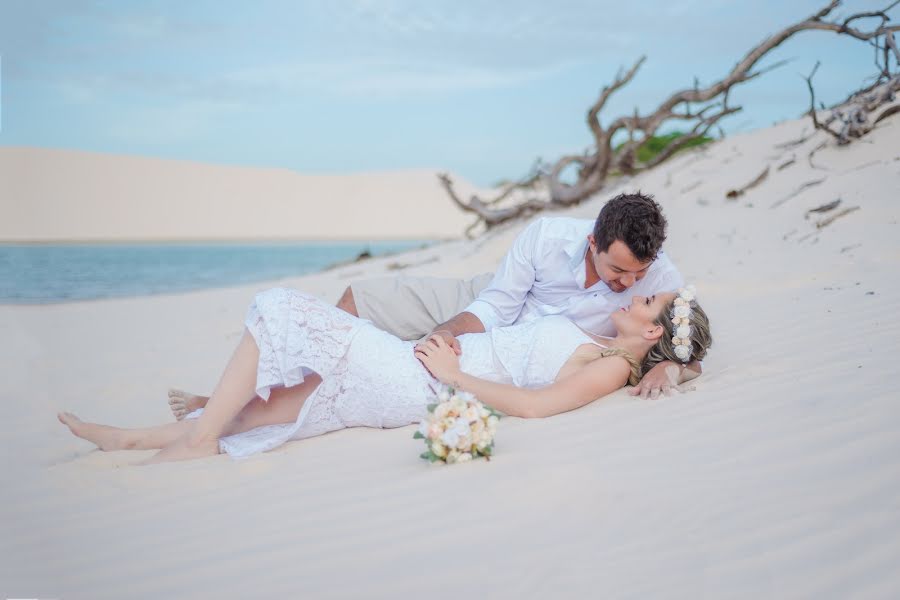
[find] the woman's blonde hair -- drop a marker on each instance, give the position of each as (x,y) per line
(664,349)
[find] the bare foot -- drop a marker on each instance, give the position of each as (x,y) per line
(183,403)
(183,449)
(107,438)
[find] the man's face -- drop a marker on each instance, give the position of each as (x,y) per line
(617,267)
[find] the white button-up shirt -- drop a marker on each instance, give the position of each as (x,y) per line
(544,274)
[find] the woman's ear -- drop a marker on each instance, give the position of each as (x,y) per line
(653,332)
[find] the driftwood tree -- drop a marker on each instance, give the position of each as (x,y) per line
(698,109)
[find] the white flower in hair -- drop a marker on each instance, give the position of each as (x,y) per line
(681,319)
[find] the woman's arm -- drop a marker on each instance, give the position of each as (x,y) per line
(595,379)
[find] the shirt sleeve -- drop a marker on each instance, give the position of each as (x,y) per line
(668,279)
(502,300)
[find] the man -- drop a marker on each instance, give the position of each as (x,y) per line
(582,269)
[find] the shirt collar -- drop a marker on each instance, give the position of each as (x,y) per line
(576,251)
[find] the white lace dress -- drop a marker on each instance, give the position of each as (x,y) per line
(371,378)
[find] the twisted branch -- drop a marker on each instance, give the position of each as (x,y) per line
(702,107)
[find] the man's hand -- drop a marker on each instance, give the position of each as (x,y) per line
(440,360)
(663,377)
(448,338)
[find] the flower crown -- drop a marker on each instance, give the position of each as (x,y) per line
(681,319)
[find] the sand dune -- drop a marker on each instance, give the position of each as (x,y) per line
(53,195)
(778,476)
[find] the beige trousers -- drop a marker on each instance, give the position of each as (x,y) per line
(410,307)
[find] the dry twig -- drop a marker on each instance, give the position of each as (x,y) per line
(835,216)
(735,194)
(803,187)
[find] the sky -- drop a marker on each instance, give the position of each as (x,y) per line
(479,88)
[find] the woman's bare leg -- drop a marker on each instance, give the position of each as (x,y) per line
(110,438)
(236,388)
(283,406)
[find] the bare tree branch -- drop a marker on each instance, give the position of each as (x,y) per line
(699,107)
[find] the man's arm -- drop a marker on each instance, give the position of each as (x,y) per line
(502,300)
(464,322)
(500,303)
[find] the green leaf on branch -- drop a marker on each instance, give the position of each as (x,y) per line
(656,144)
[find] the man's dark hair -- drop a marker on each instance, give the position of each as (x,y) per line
(634,219)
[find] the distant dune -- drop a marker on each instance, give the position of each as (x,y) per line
(66,195)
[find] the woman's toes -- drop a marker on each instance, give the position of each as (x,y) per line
(177,403)
(68,419)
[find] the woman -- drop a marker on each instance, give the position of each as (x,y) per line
(304,368)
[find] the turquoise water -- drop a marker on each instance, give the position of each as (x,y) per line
(40,274)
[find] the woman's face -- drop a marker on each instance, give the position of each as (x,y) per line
(639,317)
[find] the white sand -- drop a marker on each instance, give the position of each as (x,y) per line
(777,477)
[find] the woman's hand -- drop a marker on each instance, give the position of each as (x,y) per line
(439,358)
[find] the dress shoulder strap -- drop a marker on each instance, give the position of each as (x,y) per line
(635,375)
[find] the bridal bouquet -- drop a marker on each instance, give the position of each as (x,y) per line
(458,428)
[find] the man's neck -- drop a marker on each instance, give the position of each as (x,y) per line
(590,274)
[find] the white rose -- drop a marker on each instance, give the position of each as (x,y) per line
(682,311)
(439,449)
(441,410)
(444,395)
(450,438)
(452,456)
(687,295)
(683,331)
(464,457)
(682,352)
(679,302)
(471,414)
